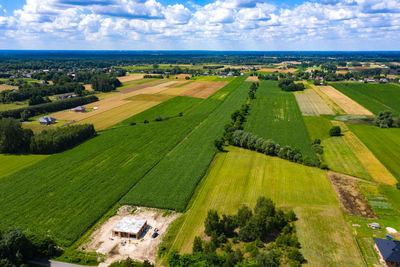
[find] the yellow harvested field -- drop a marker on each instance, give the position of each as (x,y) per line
(88,87)
(342,72)
(329,101)
(344,102)
(131,77)
(252,79)
(202,89)
(4,87)
(278,70)
(371,164)
(311,104)
(104,120)
(105,104)
(141,86)
(167,84)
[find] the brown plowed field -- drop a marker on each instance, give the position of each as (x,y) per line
(350,197)
(346,103)
(202,89)
(131,77)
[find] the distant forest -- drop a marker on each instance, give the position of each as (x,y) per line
(13,59)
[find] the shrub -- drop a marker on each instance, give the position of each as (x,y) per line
(159,118)
(384,119)
(335,131)
(145,121)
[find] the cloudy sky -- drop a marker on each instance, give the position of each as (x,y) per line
(200,24)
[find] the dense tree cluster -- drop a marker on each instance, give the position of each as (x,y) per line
(29,90)
(16,248)
(149,76)
(15,139)
(213,67)
(36,100)
(48,107)
(269,236)
(335,131)
(131,263)
(250,141)
(384,119)
(60,139)
(104,83)
(290,85)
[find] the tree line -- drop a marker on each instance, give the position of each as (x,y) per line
(104,83)
(15,139)
(26,112)
(290,85)
(254,228)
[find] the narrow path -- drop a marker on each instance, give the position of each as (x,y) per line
(54,263)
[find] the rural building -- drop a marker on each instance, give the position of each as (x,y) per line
(65,96)
(388,251)
(78,109)
(46,120)
(129,227)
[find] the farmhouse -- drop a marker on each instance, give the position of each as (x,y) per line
(388,251)
(46,120)
(129,227)
(78,109)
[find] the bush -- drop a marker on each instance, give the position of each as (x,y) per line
(384,119)
(145,121)
(335,131)
(158,118)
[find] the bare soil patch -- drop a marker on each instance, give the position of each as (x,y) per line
(350,197)
(346,103)
(202,89)
(252,79)
(131,77)
(141,249)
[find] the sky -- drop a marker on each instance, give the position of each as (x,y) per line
(255,25)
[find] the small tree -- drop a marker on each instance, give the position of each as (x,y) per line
(146,121)
(197,244)
(25,115)
(335,131)
(384,119)
(219,144)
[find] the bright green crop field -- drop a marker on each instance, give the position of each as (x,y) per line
(68,192)
(374,97)
(384,144)
(241,176)
(275,115)
(171,183)
(12,163)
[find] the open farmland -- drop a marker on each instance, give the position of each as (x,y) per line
(131,77)
(375,97)
(241,176)
(372,165)
(311,104)
(202,89)
(252,79)
(12,163)
(290,70)
(67,201)
(171,183)
(275,115)
(4,87)
(132,86)
(384,144)
(344,102)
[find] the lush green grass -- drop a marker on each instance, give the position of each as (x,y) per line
(12,163)
(171,183)
(241,176)
(384,144)
(318,127)
(14,105)
(393,194)
(275,115)
(66,193)
(374,97)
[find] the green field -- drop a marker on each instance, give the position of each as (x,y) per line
(171,183)
(212,78)
(12,163)
(241,176)
(384,144)
(374,97)
(337,154)
(67,192)
(275,115)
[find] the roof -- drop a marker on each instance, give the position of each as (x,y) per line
(130,225)
(390,249)
(79,108)
(46,119)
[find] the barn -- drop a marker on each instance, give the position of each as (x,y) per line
(46,120)
(130,228)
(78,109)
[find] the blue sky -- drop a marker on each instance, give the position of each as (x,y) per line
(200,24)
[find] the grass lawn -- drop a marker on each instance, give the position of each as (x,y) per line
(275,115)
(373,96)
(241,176)
(12,163)
(384,144)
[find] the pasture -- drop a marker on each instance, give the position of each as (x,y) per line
(275,115)
(384,144)
(241,176)
(171,183)
(375,97)
(12,163)
(344,102)
(311,104)
(371,164)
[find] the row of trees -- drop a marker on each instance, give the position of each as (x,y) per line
(26,112)
(149,76)
(16,248)
(253,227)
(15,139)
(28,90)
(250,141)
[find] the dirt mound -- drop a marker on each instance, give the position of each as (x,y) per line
(350,196)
